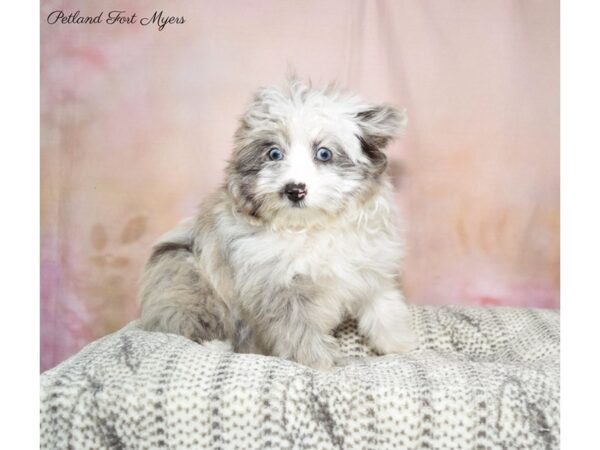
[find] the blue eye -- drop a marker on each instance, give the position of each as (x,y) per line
(275,154)
(324,154)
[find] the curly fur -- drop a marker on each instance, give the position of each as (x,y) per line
(274,276)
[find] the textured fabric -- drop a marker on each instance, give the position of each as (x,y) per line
(481,378)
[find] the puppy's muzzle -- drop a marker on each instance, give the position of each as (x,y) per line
(295,192)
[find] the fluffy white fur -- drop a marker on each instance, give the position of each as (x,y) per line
(276,276)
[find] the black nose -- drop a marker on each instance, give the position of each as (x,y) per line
(295,191)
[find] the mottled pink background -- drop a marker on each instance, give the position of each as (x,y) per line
(137,124)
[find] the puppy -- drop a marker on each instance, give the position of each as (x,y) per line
(303,233)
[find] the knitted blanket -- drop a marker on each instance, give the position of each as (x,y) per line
(482,378)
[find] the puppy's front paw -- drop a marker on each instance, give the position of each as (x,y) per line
(320,352)
(386,322)
(399,340)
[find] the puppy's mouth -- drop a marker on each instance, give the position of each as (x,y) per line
(299,202)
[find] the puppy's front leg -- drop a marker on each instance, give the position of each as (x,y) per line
(385,321)
(292,326)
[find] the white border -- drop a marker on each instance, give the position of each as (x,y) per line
(19,206)
(580,223)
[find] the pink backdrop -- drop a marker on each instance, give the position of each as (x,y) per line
(137,124)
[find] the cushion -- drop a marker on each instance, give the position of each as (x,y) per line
(482,378)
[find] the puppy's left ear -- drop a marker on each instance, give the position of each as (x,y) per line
(381,124)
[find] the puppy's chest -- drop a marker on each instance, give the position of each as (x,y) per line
(318,256)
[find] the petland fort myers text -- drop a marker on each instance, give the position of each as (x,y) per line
(115,17)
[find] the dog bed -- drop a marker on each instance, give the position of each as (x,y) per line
(482,378)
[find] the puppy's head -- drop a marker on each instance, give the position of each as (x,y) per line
(302,154)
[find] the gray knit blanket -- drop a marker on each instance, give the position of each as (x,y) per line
(482,378)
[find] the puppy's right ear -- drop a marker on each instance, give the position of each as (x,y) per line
(381,123)
(262,103)
(257,109)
